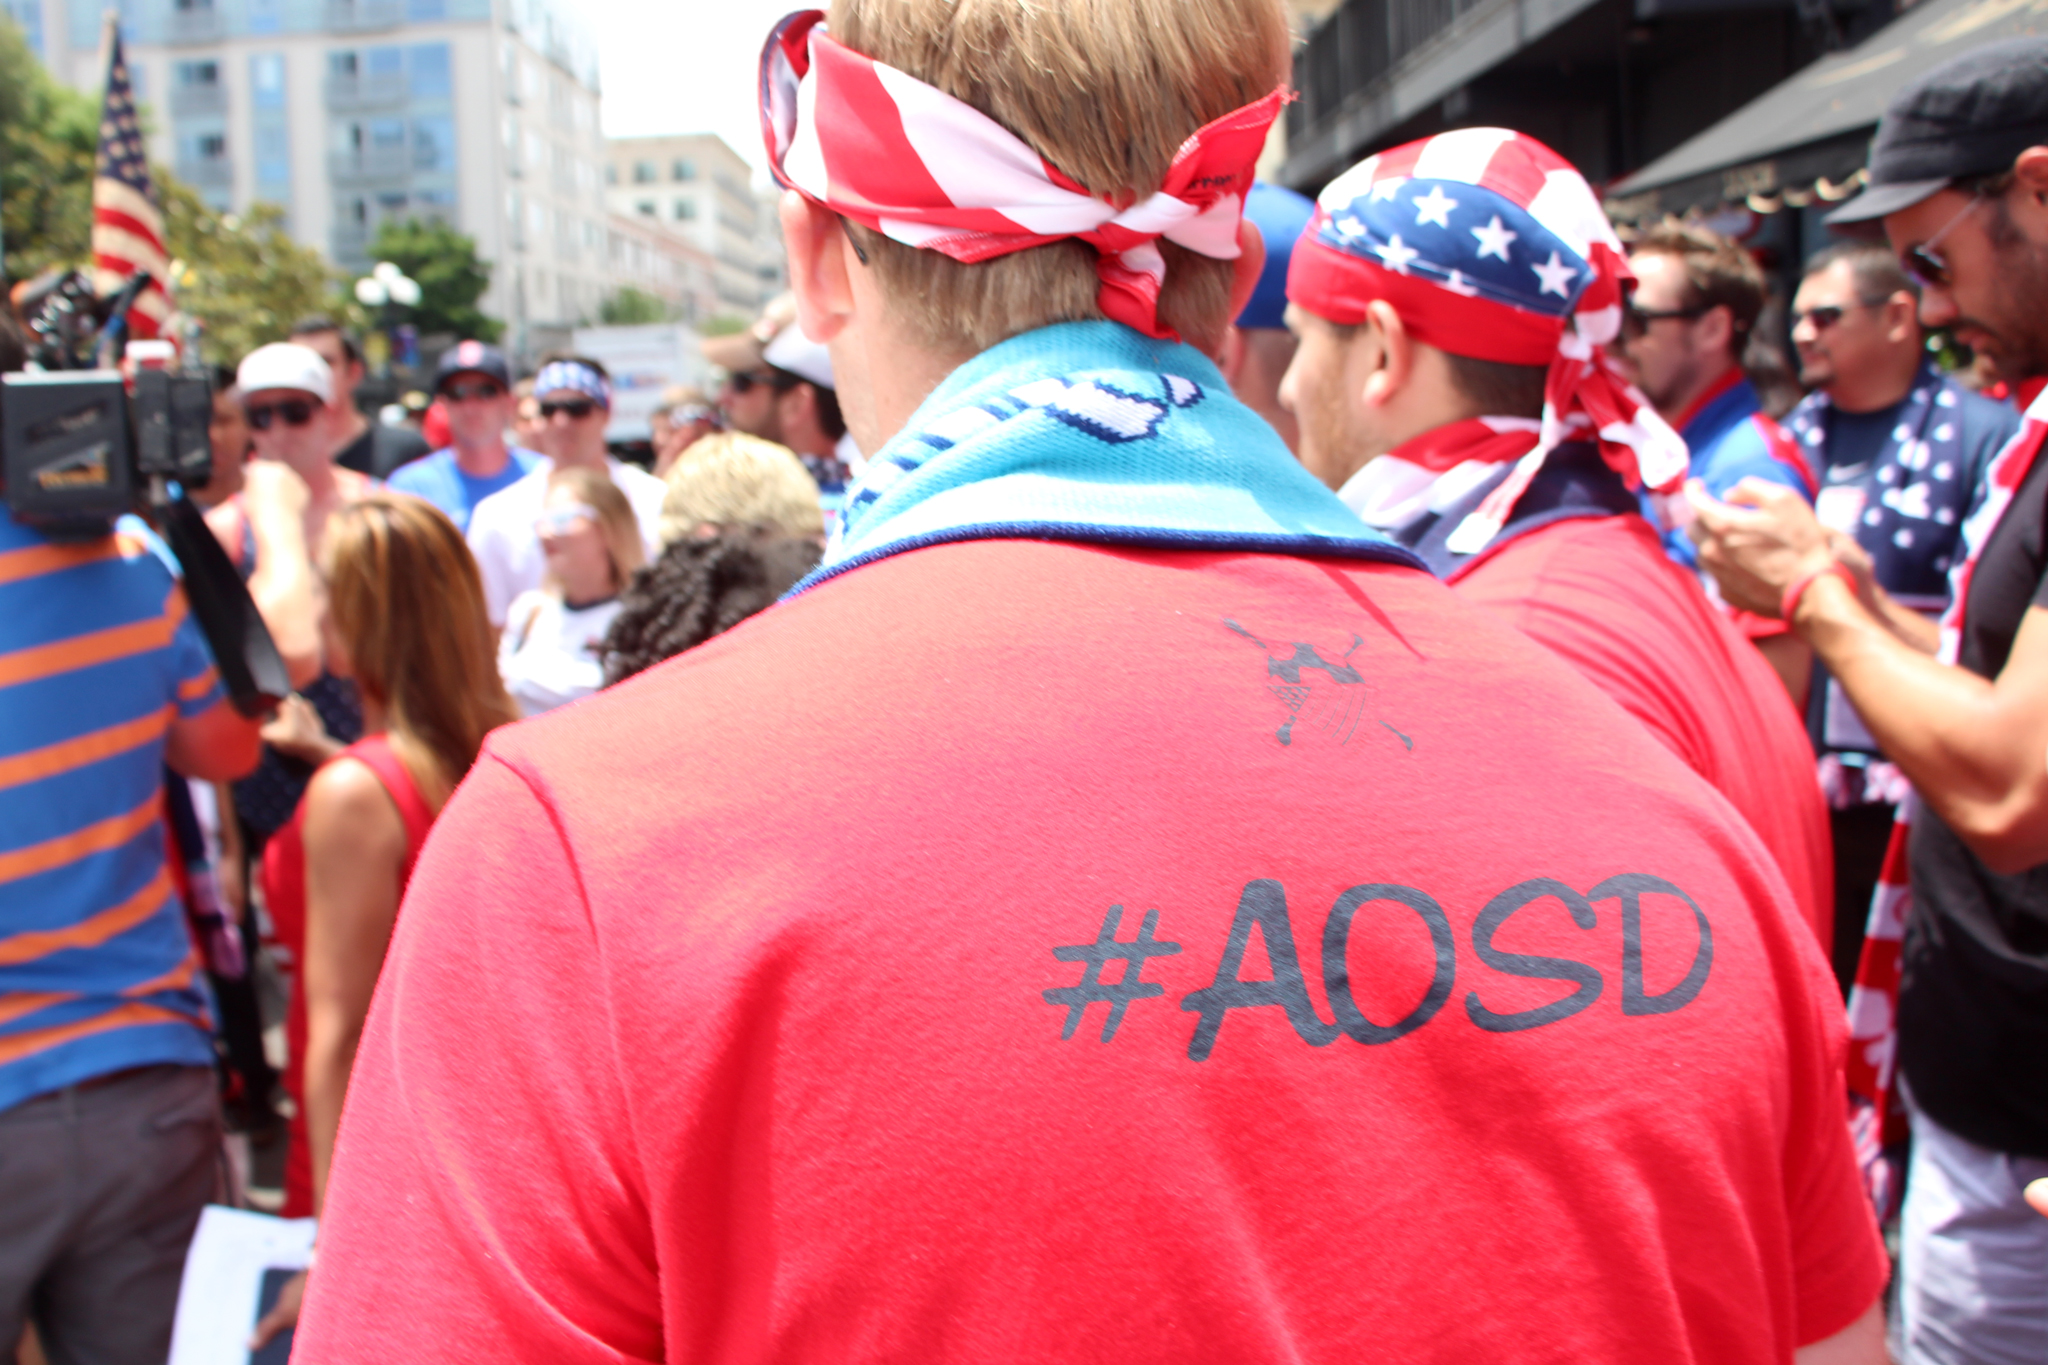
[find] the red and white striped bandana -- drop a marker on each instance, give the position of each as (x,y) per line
(911,162)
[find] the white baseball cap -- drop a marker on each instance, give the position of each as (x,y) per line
(791,350)
(285,365)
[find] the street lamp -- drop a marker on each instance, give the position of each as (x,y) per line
(388,289)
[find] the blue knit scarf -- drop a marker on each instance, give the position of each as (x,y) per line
(1090,432)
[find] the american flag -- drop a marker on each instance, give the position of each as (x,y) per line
(127,229)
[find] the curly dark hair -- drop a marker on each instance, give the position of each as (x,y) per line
(698,588)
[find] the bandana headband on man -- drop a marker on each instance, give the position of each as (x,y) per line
(1490,245)
(914,164)
(573,374)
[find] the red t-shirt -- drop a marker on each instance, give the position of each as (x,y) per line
(767,1005)
(1600,592)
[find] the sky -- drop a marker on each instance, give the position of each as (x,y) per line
(684,66)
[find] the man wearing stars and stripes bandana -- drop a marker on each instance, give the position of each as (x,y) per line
(1455,297)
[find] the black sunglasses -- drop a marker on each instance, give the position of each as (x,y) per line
(577,408)
(462,393)
(1635,320)
(296,413)
(745,380)
(1927,267)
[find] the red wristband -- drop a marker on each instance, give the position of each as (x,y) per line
(1789,603)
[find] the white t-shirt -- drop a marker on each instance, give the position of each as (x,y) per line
(548,655)
(507,547)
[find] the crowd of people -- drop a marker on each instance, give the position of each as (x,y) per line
(1126,578)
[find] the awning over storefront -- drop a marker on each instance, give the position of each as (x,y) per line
(1807,138)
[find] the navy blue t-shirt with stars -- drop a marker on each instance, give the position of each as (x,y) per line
(1901,480)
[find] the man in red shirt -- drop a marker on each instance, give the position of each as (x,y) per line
(1119,907)
(1451,295)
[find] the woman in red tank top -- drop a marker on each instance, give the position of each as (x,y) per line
(406,620)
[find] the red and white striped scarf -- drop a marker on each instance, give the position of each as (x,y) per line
(1877,1118)
(915,164)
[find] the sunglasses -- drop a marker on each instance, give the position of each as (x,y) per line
(747,379)
(1636,321)
(576,408)
(1926,265)
(559,521)
(1826,315)
(296,413)
(463,393)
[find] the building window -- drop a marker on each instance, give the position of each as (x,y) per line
(611,175)
(643,172)
(198,75)
(431,79)
(433,144)
(342,65)
(684,169)
(685,210)
(384,61)
(266,80)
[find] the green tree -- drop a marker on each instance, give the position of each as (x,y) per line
(450,276)
(48,135)
(243,278)
(722,324)
(629,306)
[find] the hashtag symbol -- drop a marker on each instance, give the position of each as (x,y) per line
(1116,994)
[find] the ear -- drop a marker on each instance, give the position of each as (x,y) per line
(1251,259)
(817,250)
(2030,168)
(1395,363)
(1715,330)
(1902,317)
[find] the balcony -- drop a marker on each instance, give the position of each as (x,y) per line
(201,25)
(207,172)
(345,93)
(371,163)
(209,98)
(353,16)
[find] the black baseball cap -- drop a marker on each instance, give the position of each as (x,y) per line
(472,357)
(1972,116)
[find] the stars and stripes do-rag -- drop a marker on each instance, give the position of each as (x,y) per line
(1491,245)
(911,162)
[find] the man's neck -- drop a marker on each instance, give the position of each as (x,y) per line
(581,459)
(1875,388)
(320,480)
(1686,406)
(482,460)
(349,425)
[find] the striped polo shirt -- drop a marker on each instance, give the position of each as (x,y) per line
(97,657)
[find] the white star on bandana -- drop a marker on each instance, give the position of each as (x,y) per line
(1396,256)
(1434,207)
(1494,238)
(1556,276)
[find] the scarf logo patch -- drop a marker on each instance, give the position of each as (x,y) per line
(1098,409)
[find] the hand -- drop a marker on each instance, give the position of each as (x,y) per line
(269,486)
(283,1315)
(296,729)
(2037,1195)
(1760,542)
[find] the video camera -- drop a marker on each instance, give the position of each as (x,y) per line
(82,446)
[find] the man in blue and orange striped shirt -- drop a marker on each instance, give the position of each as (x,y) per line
(107,1104)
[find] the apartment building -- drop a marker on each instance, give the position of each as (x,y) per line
(698,187)
(348,113)
(645,255)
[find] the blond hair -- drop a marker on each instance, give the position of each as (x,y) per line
(732,479)
(615,520)
(1105,90)
(405,597)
